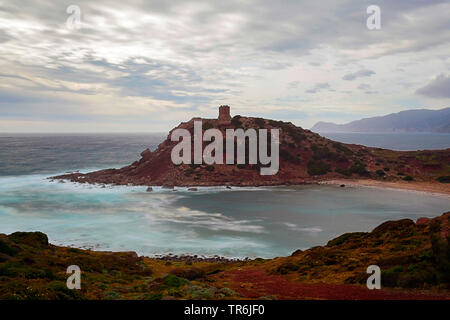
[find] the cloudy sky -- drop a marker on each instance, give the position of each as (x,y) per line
(139,66)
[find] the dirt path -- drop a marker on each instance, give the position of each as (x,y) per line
(254,283)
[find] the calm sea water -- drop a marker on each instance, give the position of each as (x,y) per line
(395,141)
(242,222)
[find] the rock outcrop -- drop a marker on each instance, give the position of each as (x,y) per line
(305,157)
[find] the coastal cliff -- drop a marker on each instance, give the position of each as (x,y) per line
(305,157)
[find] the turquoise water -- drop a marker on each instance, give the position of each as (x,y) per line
(242,222)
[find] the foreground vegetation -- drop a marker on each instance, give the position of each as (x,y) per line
(414,259)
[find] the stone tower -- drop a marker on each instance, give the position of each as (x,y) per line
(224,114)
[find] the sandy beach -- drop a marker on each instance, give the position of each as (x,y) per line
(432,187)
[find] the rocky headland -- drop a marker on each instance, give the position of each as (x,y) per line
(305,157)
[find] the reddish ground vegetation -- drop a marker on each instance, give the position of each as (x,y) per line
(255,283)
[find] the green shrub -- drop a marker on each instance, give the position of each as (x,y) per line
(198,293)
(294,132)
(7,249)
(359,168)
(190,274)
(207,125)
(34,239)
(408,178)
(112,295)
(286,155)
(15,269)
(236,122)
(345,237)
(76,250)
(390,276)
(345,172)
(173,281)
(188,171)
(155,296)
(227,292)
(444,179)
(275,123)
(286,267)
(60,291)
(356,168)
(323,153)
(260,122)
(341,148)
(380,173)
(316,168)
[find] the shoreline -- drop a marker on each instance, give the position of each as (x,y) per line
(418,186)
(426,187)
(422,186)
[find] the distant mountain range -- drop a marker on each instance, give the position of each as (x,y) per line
(421,120)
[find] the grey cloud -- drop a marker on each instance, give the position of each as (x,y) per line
(319,87)
(358,74)
(293,84)
(215,50)
(438,88)
(364,86)
(294,27)
(5,37)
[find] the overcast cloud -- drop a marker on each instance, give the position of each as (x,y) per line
(437,88)
(358,74)
(148,65)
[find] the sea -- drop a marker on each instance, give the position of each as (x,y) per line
(214,221)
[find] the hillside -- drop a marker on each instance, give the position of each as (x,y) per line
(414,259)
(305,157)
(405,121)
